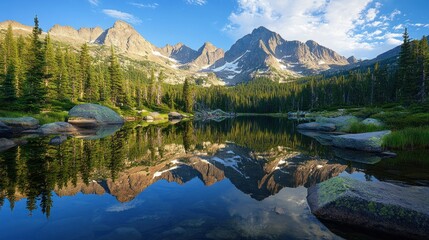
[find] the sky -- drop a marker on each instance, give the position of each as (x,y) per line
(363,28)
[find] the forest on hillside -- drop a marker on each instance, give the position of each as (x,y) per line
(41,75)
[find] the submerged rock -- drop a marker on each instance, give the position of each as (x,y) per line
(6,144)
(21,123)
(374,206)
(57,127)
(315,126)
(370,142)
(93,115)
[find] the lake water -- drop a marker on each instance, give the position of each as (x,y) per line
(243,178)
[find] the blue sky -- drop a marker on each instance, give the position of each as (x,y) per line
(364,28)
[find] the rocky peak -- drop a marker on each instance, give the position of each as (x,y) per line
(119,24)
(67,31)
(15,26)
(90,34)
(126,39)
(207,47)
(352,60)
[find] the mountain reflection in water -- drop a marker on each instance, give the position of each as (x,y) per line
(242,160)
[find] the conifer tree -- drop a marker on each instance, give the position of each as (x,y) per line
(34,90)
(188,96)
(117,92)
(50,69)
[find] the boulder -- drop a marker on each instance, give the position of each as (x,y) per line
(58,140)
(175,115)
(372,121)
(57,127)
(6,144)
(370,142)
(21,123)
(342,123)
(315,126)
(5,131)
(377,207)
(92,115)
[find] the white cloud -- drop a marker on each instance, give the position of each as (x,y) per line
(142,5)
(122,16)
(399,27)
(371,14)
(196,2)
(94,2)
(332,23)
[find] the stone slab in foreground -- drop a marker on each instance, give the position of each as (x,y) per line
(374,206)
(92,115)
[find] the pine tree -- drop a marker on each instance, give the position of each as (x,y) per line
(188,95)
(86,83)
(151,88)
(118,94)
(50,69)
(8,87)
(34,90)
(405,72)
(422,65)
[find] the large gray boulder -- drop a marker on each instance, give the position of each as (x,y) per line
(370,142)
(21,123)
(57,127)
(342,123)
(6,144)
(5,131)
(92,115)
(315,126)
(376,206)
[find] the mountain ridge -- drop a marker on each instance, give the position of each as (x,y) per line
(259,53)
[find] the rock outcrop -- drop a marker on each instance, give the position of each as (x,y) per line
(374,206)
(175,115)
(370,142)
(92,115)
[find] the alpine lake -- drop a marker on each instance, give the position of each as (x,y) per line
(241,178)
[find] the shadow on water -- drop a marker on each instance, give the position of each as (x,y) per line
(257,158)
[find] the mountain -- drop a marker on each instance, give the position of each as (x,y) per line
(260,53)
(264,52)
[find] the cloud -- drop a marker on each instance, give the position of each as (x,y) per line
(399,27)
(94,2)
(333,23)
(122,16)
(350,27)
(196,2)
(142,5)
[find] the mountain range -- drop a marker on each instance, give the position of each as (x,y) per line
(260,53)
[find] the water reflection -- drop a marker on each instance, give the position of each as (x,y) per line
(242,160)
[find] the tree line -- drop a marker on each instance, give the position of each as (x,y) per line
(404,83)
(39,74)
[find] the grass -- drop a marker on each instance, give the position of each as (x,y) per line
(408,138)
(358,127)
